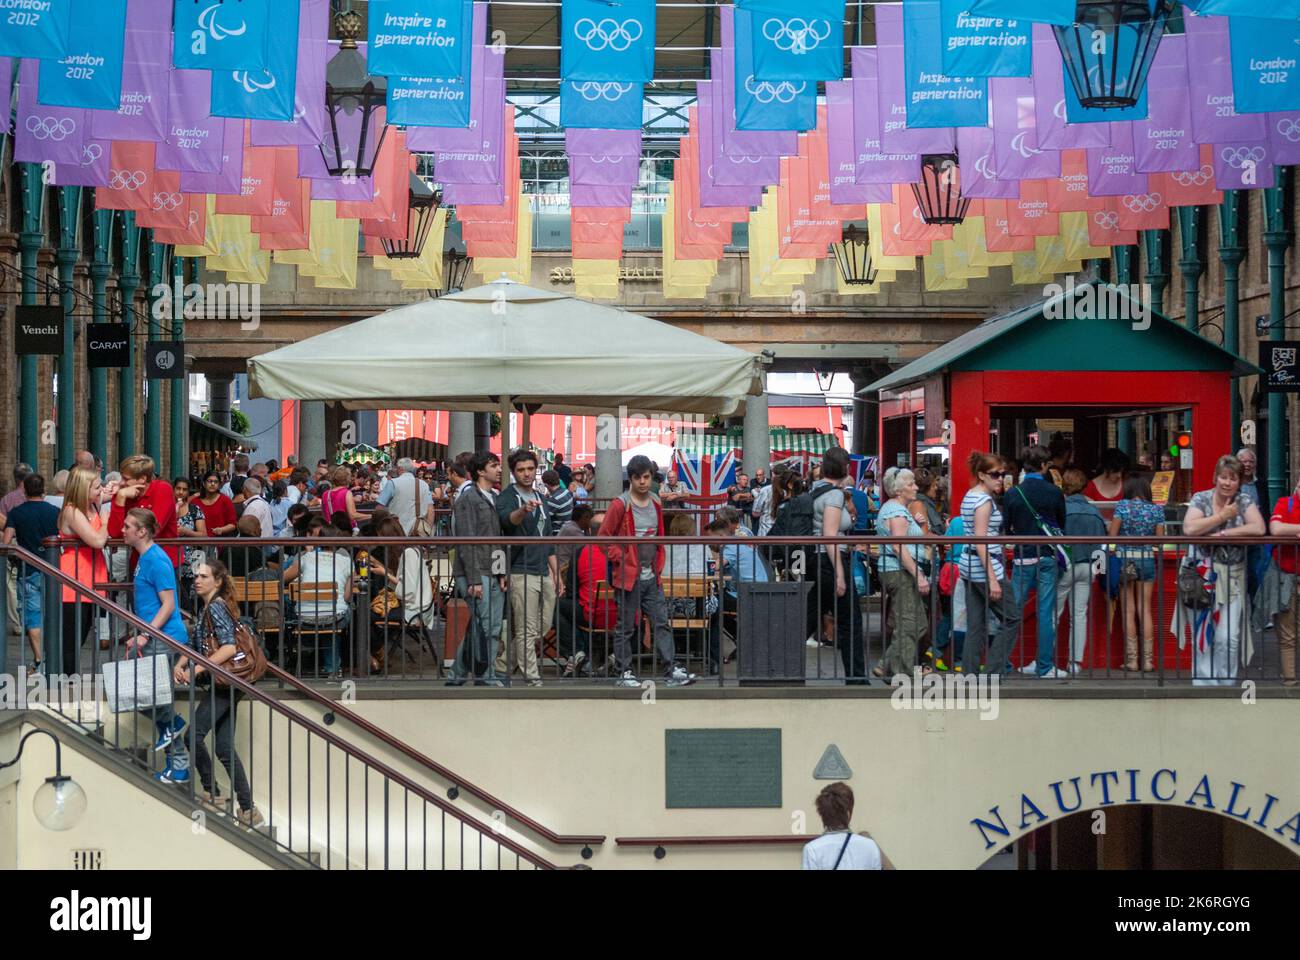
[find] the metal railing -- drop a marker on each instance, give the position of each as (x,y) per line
(305,789)
(760,610)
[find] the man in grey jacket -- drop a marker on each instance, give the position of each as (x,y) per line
(475,515)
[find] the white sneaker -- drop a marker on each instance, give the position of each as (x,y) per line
(680,678)
(1030,668)
(1076,668)
(810,642)
(1054,674)
(628,679)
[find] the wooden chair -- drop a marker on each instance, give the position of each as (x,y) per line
(696,589)
(318,594)
(250,593)
(604,595)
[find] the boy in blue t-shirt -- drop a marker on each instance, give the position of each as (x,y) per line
(155,603)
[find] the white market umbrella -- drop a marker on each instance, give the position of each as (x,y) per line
(510,343)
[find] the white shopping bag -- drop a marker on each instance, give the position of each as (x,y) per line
(137,683)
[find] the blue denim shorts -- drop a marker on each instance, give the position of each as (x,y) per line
(29,600)
(1146,567)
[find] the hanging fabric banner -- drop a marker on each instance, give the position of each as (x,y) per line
(603,41)
(325,187)
(1016,153)
(610,104)
(212,35)
(726,180)
(441,101)
(1036,11)
(40,32)
(89,75)
(257,186)
(911,224)
(308,125)
(1265,77)
(1284,137)
(262,94)
(604,170)
(997,230)
(1029,215)
(897,133)
(983,46)
(873,164)
(1148,210)
(597,143)
(1049,101)
(1215,118)
(1191,188)
(142,113)
(1243,166)
(1111,170)
(291,197)
(1163,142)
(417,37)
(194,229)
(392,179)
(732,140)
(92,171)
(486,97)
(130,177)
(54,134)
(227,179)
(768,104)
(935,99)
(842,157)
(6,80)
(194,138)
(1076,112)
(979,166)
(615,196)
(1279,10)
(802,41)
(1103,227)
(165,206)
(1069,192)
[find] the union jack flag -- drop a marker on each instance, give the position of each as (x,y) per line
(707,475)
(1207,620)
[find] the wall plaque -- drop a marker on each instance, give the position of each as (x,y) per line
(723,767)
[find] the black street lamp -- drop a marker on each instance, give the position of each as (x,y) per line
(454,271)
(424,205)
(853,255)
(352,100)
(938,194)
(60,801)
(1108,51)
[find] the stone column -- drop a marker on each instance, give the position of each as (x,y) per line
(609,456)
(460,433)
(219,405)
(482,431)
(755,440)
(311,432)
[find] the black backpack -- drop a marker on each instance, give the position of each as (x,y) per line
(794,518)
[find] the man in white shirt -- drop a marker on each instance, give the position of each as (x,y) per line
(241,470)
(839,848)
(297,485)
(408,497)
(255,505)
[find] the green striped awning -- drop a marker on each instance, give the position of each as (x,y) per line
(780,439)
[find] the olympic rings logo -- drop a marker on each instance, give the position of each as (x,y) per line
(608,34)
(690,215)
(611,91)
(1106,219)
(208,21)
(91,152)
(1194,178)
(1143,202)
(1239,157)
(767,92)
(51,128)
(1289,129)
(166,201)
(126,179)
(245,80)
(793,35)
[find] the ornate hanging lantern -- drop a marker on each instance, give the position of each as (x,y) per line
(455,269)
(853,255)
(353,99)
(938,194)
(424,204)
(1108,51)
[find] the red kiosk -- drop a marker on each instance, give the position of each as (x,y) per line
(1078,363)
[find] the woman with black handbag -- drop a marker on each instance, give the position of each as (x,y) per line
(214,635)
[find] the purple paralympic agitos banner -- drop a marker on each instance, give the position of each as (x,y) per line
(308,125)
(619,195)
(475,194)
(194,140)
(727,181)
(46,133)
(1284,137)
(485,65)
(1049,101)
(603,143)
(873,164)
(6,84)
(842,158)
(1016,153)
(1246,165)
(228,181)
(736,142)
(1209,76)
(1111,170)
(979,172)
(891,90)
(1163,142)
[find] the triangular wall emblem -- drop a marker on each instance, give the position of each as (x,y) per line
(832,766)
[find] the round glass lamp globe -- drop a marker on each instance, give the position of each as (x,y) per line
(59,803)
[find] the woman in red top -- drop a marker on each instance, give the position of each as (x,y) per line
(1109,485)
(82,559)
(218,511)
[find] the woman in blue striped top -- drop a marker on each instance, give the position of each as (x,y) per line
(983,570)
